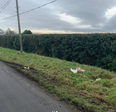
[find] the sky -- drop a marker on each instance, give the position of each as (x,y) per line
(62,16)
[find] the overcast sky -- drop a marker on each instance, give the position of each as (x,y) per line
(61,16)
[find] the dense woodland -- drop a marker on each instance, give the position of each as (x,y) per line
(92,49)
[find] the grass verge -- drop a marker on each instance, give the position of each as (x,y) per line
(80,89)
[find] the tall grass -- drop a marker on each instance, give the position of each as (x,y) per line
(80,89)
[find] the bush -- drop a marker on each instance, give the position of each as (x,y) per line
(92,49)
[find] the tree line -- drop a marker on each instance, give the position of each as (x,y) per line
(11,32)
(91,49)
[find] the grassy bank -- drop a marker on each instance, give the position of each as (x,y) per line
(80,89)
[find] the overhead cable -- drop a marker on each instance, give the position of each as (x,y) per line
(5,5)
(30,10)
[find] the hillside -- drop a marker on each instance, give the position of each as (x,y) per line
(80,89)
(92,49)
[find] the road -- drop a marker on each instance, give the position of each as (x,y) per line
(18,94)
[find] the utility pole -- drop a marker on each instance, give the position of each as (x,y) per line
(18,18)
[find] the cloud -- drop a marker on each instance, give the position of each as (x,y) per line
(63,15)
(110,12)
(110,25)
(91,12)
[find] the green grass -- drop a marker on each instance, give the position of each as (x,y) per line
(81,89)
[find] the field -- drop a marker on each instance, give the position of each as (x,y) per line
(80,89)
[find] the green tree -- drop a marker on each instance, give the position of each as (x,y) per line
(27,32)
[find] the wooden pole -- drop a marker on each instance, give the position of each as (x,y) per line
(19,27)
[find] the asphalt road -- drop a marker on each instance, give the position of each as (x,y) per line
(18,94)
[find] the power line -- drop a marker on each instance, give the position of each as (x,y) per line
(30,10)
(8,17)
(5,5)
(37,7)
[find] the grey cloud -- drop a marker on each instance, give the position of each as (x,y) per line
(110,25)
(91,12)
(44,20)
